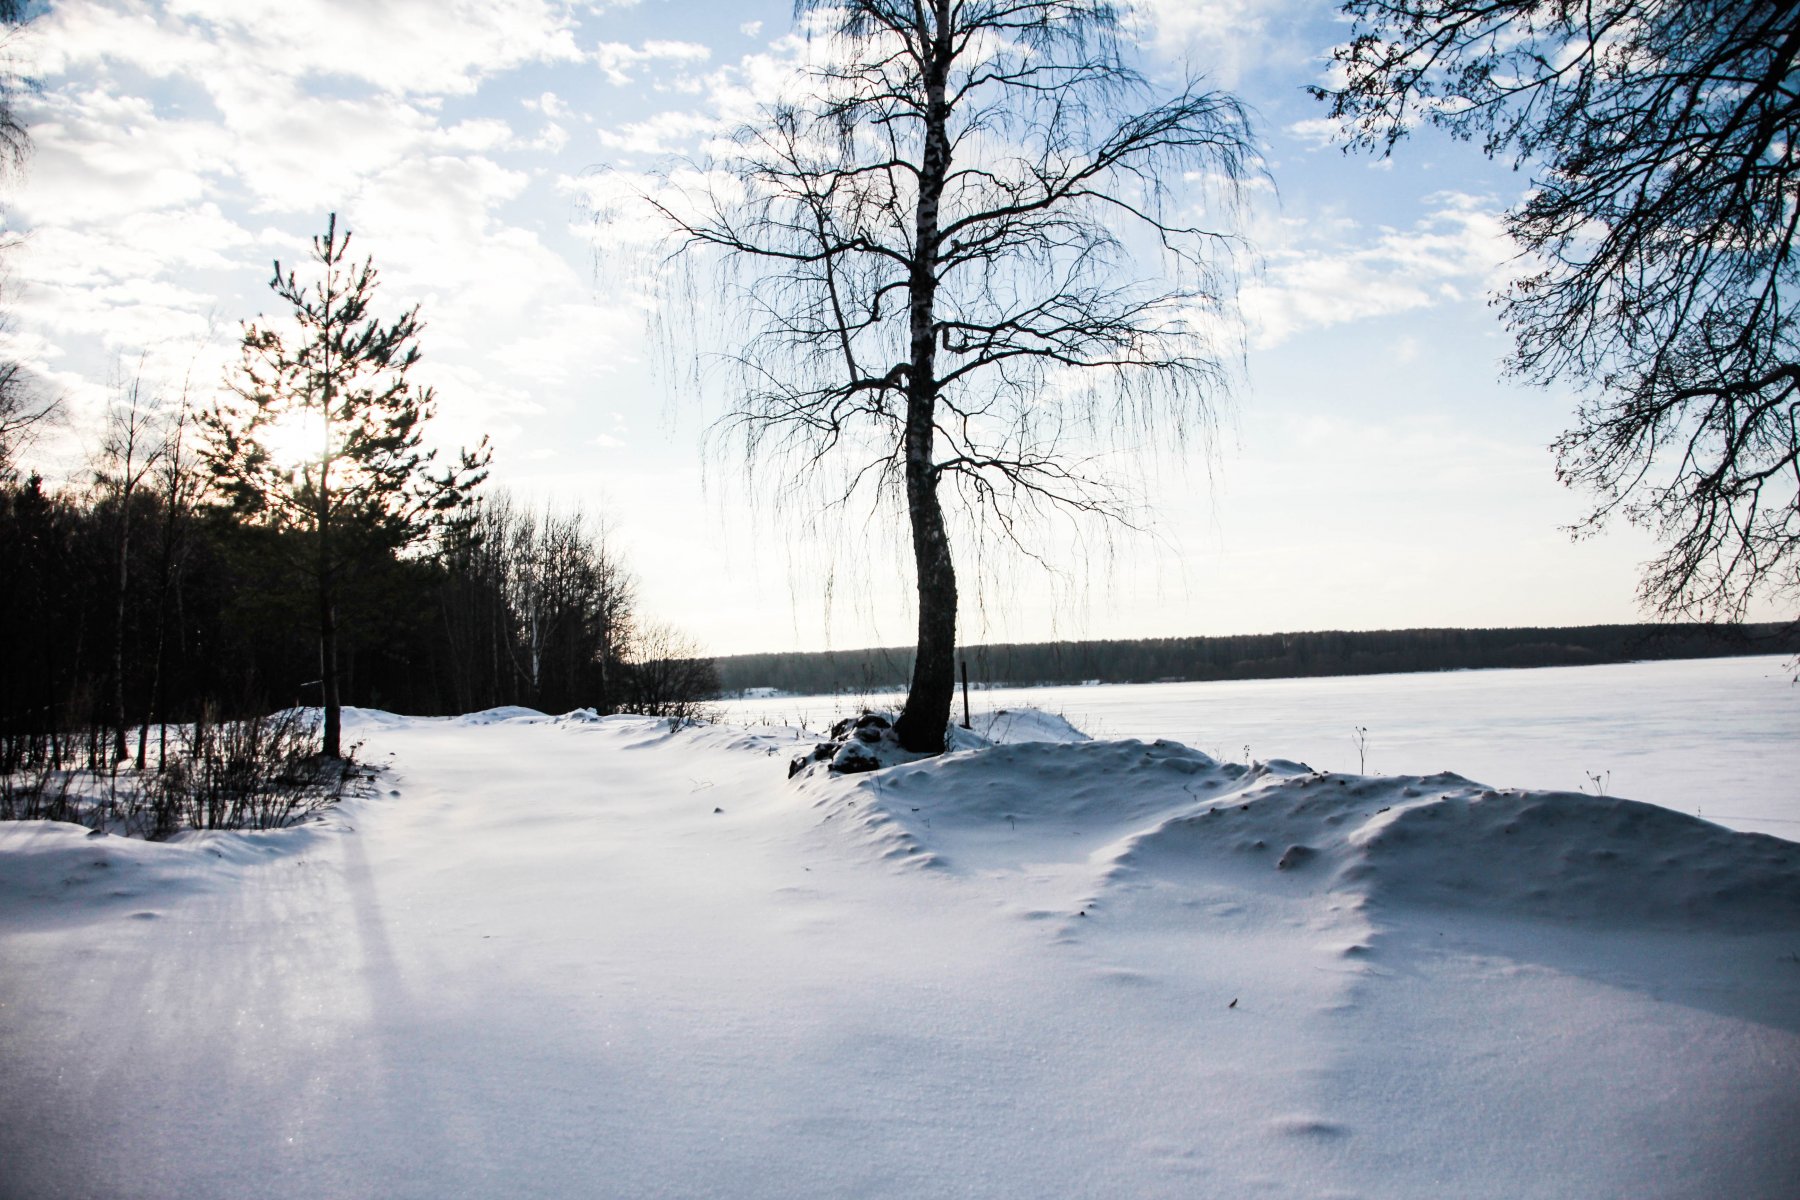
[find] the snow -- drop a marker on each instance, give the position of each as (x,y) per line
(574,956)
(1025,725)
(1717,738)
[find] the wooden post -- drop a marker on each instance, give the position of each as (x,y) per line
(965,667)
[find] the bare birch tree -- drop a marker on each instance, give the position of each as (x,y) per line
(131,451)
(23,404)
(936,273)
(24,410)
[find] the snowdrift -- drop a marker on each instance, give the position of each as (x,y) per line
(574,955)
(1136,811)
(54,874)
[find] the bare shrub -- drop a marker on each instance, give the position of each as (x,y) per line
(248,773)
(254,773)
(668,677)
(38,791)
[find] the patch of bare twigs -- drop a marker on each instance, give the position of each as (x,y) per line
(248,773)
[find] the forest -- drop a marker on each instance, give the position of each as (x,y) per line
(136,613)
(291,543)
(1260,656)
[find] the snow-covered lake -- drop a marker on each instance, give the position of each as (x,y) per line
(1719,738)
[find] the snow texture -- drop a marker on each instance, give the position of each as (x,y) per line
(579,956)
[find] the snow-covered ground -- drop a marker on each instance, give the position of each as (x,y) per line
(594,958)
(1716,737)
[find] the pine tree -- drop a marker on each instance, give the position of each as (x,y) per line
(359,484)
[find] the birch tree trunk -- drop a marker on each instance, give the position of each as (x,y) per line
(927,714)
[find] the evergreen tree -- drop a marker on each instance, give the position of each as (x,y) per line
(322,434)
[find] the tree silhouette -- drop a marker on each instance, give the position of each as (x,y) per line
(360,485)
(931,253)
(15,139)
(23,404)
(1660,226)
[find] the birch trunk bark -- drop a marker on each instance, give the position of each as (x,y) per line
(923,722)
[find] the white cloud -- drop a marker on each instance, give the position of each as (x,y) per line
(71,36)
(617,60)
(1318,133)
(398,46)
(551,139)
(664,133)
(182,145)
(485,134)
(1225,39)
(100,157)
(1321,274)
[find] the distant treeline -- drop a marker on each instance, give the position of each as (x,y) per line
(1261,656)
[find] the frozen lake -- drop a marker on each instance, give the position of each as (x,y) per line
(1719,738)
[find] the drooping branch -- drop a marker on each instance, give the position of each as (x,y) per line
(1661,232)
(930,253)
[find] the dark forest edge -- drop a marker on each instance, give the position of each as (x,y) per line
(510,605)
(292,544)
(153,634)
(1260,656)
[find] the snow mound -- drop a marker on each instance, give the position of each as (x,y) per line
(1137,811)
(1026,725)
(364,718)
(506,712)
(867,742)
(1579,857)
(60,874)
(996,806)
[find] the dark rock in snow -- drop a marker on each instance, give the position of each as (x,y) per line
(859,744)
(853,760)
(874,723)
(819,753)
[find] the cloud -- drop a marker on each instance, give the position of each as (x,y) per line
(551,139)
(665,133)
(130,285)
(1316,133)
(432,47)
(1225,39)
(548,103)
(1322,273)
(182,145)
(617,59)
(100,157)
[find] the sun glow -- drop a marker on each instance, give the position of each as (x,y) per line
(296,438)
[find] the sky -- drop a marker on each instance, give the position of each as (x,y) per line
(1370,470)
